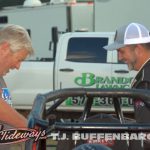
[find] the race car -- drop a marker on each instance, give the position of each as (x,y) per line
(114,130)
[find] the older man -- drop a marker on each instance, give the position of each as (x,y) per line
(15,46)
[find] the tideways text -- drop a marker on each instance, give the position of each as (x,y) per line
(18,135)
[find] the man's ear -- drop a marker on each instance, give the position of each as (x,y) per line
(139,49)
(4,47)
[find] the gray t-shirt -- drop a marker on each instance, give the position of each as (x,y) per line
(5,94)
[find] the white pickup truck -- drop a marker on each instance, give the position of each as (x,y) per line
(80,61)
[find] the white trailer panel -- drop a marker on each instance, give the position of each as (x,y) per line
(39,20)
(110,14)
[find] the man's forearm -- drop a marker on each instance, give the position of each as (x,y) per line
(10,116)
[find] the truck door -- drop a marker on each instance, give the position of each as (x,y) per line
(85,63)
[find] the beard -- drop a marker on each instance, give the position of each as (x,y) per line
(131,65)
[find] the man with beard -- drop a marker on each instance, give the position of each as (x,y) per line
(132,42)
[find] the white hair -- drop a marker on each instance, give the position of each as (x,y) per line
(17,37)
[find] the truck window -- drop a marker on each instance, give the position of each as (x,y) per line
(87,49)
(3,19)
